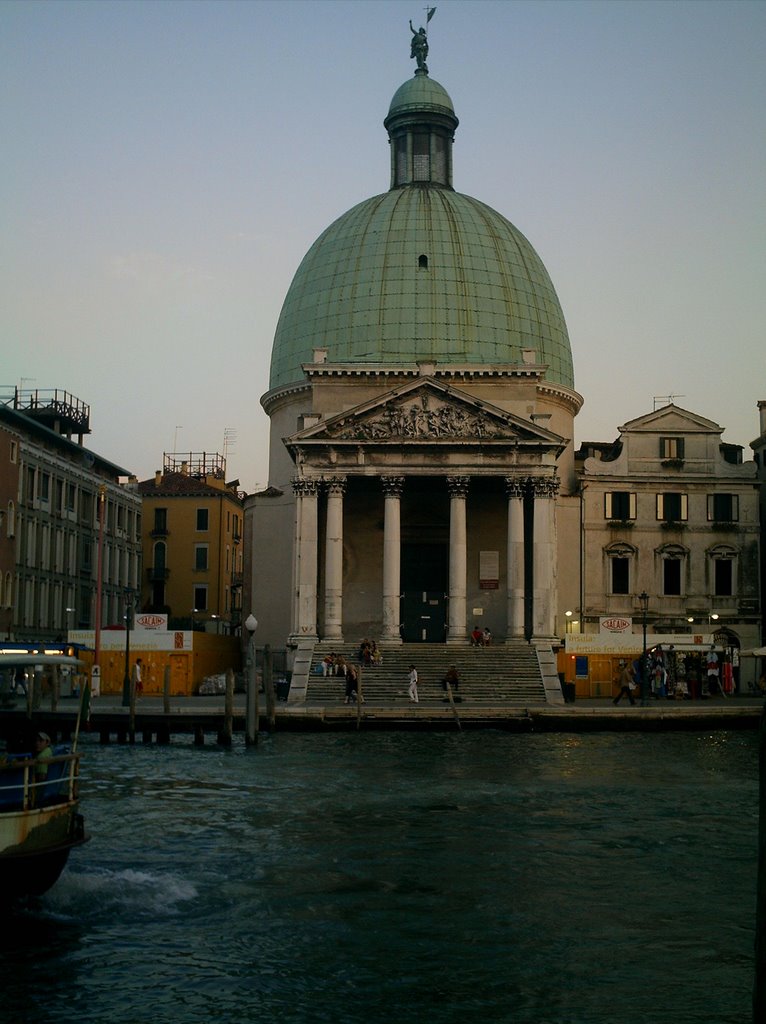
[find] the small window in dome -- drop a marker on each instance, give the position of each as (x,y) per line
(423,262)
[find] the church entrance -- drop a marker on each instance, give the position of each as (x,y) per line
(424,575)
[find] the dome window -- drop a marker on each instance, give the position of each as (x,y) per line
(423,262)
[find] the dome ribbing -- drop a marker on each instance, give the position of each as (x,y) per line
(421,273)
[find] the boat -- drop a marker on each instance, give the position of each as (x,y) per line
(40,823)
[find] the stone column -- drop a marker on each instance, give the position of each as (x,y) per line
(545,585)
(306,555)
(458,489)
(392,489)
(515,488)
(333,566)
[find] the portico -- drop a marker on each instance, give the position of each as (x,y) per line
(398,502)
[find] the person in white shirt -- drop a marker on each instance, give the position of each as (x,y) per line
(413,690)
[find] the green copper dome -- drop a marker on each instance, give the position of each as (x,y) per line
(421,93)
(421,273)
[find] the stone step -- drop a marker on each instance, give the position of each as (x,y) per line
(502,673)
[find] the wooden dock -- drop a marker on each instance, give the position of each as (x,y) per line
(199,717)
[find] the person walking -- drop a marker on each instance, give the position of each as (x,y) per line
(413,690)
(352,684)
(137,677)
(627,684)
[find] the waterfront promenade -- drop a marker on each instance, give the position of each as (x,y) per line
(200,716)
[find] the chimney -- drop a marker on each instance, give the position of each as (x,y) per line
(157,477)
(762,411)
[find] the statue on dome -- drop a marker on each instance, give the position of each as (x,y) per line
(419,47)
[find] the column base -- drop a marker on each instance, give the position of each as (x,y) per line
(455,640)
(296,638)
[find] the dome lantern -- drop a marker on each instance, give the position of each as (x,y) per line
(421,126)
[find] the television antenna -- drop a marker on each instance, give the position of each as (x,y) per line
(666,399)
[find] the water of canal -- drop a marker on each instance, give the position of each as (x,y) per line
(475,877)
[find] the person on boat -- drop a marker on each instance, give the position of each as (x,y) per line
(43,754)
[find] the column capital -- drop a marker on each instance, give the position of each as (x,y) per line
(303,487)
(392,486)
(458,486)
(515,486)
(544,486)
(336,484)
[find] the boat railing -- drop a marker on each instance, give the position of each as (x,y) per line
(21,791)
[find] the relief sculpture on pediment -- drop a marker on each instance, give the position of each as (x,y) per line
(422,420)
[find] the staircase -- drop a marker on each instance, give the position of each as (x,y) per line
(502,674)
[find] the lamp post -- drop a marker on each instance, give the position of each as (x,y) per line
(251,717)
(643,598)
(128,627)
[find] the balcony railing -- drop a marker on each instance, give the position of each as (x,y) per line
(157,574)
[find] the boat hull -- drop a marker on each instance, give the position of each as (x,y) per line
(34,847)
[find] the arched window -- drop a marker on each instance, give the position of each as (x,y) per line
(423,262)
(160,555)
(672,566)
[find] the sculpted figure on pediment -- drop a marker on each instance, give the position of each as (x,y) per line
(419,420)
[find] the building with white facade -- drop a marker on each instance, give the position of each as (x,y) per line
(422,474)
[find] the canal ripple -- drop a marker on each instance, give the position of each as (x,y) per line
(599,879)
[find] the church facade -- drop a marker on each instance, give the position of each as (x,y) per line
(422,474)
(422,405)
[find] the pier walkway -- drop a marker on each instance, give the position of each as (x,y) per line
(201,716)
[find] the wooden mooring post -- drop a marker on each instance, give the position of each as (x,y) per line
(251,710)
(359,696)
(268,687)
(452,704)
(132,709)
(267,678)
(759,989)
(166,691)
(224,736)
(55,684)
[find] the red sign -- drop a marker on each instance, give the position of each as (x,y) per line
(615,624)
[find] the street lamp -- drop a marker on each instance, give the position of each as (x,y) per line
(251,717)
(643,599)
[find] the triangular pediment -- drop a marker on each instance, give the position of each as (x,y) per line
(672,419)
(426,410)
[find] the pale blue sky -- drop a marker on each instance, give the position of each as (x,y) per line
(167,165)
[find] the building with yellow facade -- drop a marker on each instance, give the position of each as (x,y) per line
(192,544)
